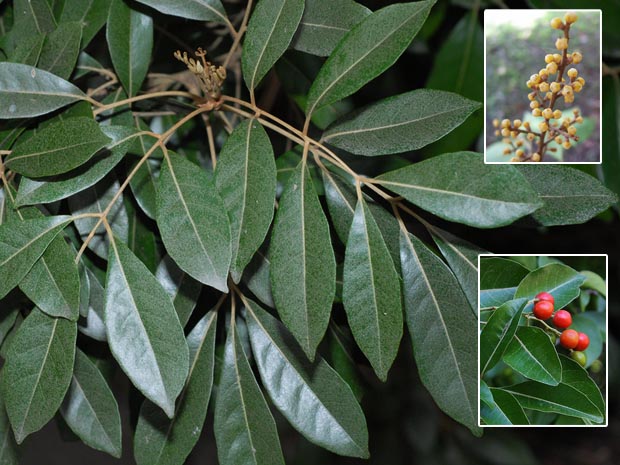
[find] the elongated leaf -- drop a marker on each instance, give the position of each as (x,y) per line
(256,277)
(21,245)
(38,371)
(559,280)
(193,222)
(32,16)
(91,14)
(130,40)
(32,192)
(327,412)
(400,123)
(203,10)
(58,148)
(182,288)
(462,256)
(442,185)
(28,51)
(577,395)
(160,441)
(246,179)
(26,91)
(570,196)
(90,408)
(370,292)
(144,185)
(303,267)
(499,278)
(442,329)
(584,323)
(532,354)
(499,332)
(324,23)
(506,405)
(611,133)
(245,431)
(270,31)
(61,48)
(366,51)
(94,324)
(9,454)
(143,330)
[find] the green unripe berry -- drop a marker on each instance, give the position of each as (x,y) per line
(579,357)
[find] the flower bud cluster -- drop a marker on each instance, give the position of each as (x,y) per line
(211,77)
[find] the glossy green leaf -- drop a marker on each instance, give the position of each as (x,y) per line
(443,331)
(193,222)
(256,277)
(143,330)
(37,372)
(90,408)
(161,441)
(60,50)
(130,41)
(499,279)
(577,395)
(182,288)
(9,454)
(443,186)
(303,267)
(94,323)
(28,50)
(400,123)
(203,10)
(245,431)
(499,332)
(611,133)
(326,412)
(595,282)
(343,360)
(559,280)
(60,147)
(21,245)
(570,196)
(366,51)
(462,257)
(91,14)
(144,185)
(246,179)
(532,354)
(508,406)
(584,324)
(371,292)
(270,30)
(30,16)
(26,91)
(324,23)
(32,192)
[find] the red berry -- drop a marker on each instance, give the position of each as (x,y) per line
(583,342)
(562,319)
(543,309)
(569,339)
(545,296)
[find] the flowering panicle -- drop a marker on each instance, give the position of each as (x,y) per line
(210,76)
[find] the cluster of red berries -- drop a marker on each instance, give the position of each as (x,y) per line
(569,339)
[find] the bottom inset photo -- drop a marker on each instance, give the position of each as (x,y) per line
(542,349)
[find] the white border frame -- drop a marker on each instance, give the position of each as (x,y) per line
(604,425)
(600,96)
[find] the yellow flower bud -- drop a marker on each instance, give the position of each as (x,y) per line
(526,125)
(505,132)
(556,23)
(535,78)
(543,73)
(549,58)
(557,114)
(514,159)
(572,73)
(579,119)
(519,143)
(505,123)
(577,86)
(531,95)
(566,144)
(572,130)
(577,57)
(555,86)
(552,68)
(507,151)
(581,81)
(543,86)
(519,153)
(558,140)
(530,136)
(570,17)
(557,58)
(497,132)
(543,126)
(561,43)
(547,113)
(534,104)
(536,157)
(496,123)
(536,112)
(516,123)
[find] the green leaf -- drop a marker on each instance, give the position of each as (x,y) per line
(342,358)
(559,280)
(32,192)
(256,277)
(144,185)
(366,51)
(583,323)
(193,222)
(26,91)
(32,16)
(94,324)
(442,329)
(37,372)
(28,50)
(182,288)
(327,413)
(60,50)
(577,395)
(130,40)
(400,123)
(245,431)
(509,407)
(532,354)
(462,257)
(371,292)
(90,408)
(143,329)
(443,186)
(159,440)
(21,245)
(611,133)
(303,267)
(499,279)
(60,147)
(270,31)
(595,282)
(9,454)
(91,14)
(202,10)
(324,23)
(498,332)
(246,179)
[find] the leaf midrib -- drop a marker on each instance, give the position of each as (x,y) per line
(28,244)
(534,358)
(266,43)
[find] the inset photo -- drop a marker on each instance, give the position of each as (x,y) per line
(543,72)
(542,352)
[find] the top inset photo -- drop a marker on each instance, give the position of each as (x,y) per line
(543,73)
